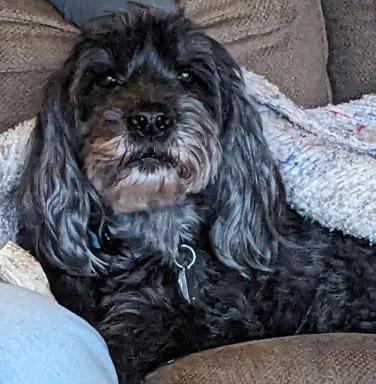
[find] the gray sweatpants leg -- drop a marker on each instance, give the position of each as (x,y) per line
(43,343)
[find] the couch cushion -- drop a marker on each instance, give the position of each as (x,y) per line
(308,359)
(351,29)
(283,40)
(34,43)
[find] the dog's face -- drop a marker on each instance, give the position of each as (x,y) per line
(148,90)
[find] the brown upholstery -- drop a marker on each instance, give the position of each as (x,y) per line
(281,39)
(34,43)
(351,28)
(324,359)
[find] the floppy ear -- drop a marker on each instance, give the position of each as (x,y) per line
(248,189)
(57,201)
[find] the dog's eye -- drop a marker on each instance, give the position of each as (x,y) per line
(106,81)
(186,76)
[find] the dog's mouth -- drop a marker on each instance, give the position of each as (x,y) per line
(153,160)
(152,157)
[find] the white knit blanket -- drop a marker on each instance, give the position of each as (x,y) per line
(326,157)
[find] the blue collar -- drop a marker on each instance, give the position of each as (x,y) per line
(93,240)
(94,243)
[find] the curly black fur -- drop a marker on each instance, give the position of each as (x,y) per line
(261,270)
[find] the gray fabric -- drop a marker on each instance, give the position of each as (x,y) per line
(80,12)
(351,31)
(43,343)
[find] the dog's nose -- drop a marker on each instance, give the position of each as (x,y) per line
(154,124)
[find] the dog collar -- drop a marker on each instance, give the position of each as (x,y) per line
(187,260)
(93,240)
(95,244)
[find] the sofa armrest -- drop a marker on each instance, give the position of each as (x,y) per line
(35,41)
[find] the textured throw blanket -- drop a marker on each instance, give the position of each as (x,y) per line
(326,157)
(12,158)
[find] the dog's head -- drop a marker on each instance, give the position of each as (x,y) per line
(146,111)
(148,91)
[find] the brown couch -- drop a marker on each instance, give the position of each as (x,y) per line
(316,53)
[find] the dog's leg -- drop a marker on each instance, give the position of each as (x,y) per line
(78,294)
(142,331)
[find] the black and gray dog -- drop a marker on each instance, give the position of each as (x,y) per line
(153,203)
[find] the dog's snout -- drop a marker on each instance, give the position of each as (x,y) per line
(154,124)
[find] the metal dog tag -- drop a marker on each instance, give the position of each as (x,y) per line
(183,284)
(182,277)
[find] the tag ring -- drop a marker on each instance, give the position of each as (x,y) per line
(194,257)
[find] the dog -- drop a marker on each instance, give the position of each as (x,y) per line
(154,205)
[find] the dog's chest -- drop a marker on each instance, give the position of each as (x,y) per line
(161,231)
(172,235)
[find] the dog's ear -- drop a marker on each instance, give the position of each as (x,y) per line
(57,201)
(248,188)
